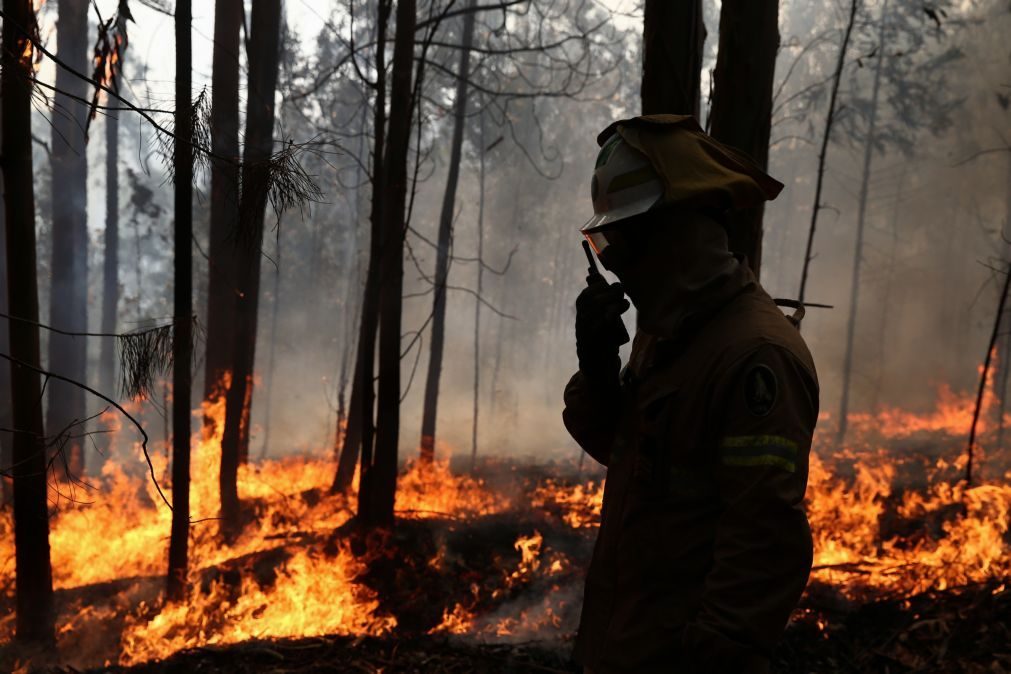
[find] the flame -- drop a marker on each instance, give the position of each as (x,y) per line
(886,522)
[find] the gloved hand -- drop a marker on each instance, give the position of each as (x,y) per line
(599,330)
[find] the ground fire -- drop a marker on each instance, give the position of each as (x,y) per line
(505,336)
(890,516)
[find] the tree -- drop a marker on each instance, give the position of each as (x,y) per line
(377,492)
(182,379)
(861,220)
(228,18)
(361,407)
(256,175)
(110,262)
(68,297)
(34,580)
(674,34)
(6,486)
(436,345)
(741,114)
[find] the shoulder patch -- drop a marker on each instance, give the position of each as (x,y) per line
(761,389)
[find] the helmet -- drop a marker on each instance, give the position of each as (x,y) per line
(624,184)
(669,161)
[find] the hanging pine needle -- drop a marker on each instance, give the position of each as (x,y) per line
(143,356)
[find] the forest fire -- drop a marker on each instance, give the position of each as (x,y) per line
(884,526)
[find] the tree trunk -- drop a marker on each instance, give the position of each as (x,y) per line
(445,242)
(110,269)
(823,153)
(360,432)
(264,41)
(674,34)
(741,113)
(858,252)
(477,300)
(183,298)
(6,441)
(221,283)
(379,477)
(68,297)
(33,572)
(275,307)
(1005,366)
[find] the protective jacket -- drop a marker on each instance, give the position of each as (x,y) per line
(704,547)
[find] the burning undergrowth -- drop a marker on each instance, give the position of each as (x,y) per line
(496,558)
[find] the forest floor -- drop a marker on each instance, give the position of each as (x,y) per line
(962,630)
(502,593)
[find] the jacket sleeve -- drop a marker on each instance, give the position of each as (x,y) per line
(591,414)
(766,407)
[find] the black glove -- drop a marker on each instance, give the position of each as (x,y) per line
(600,331)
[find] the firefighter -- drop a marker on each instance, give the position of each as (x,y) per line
(704,547)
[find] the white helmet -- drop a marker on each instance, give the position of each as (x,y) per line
(624,185)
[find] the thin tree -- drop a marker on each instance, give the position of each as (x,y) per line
(377,492)
(33,571)
(110,262)
(264,39)
(826,136)
(870,142)
(6,459)
(445,237)
(480,289)
(741,114)
(221,284)
(183,302)
(361,406)
(674,34)
(68,295)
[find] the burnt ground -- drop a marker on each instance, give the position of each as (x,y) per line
(959,630)
(963,630)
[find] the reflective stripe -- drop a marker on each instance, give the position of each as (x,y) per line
(759,450)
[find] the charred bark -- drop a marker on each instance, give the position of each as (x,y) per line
(673,37)
(228,18)
(360,432)
(445,242)
(379,477)
(259,142)
(68,296)
(741,113)
(33,572)
(183,300)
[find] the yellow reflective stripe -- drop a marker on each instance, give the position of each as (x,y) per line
(759,450)
(763,460)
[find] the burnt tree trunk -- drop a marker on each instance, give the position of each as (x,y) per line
(377,493)
(6,440)
(477,300)
(33,572)
(264,41)
(182,376)
(858,252)
(673,36)
(228,18)
(360,432)
(110,265)
(68,297)
(445,242)
(741,113)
